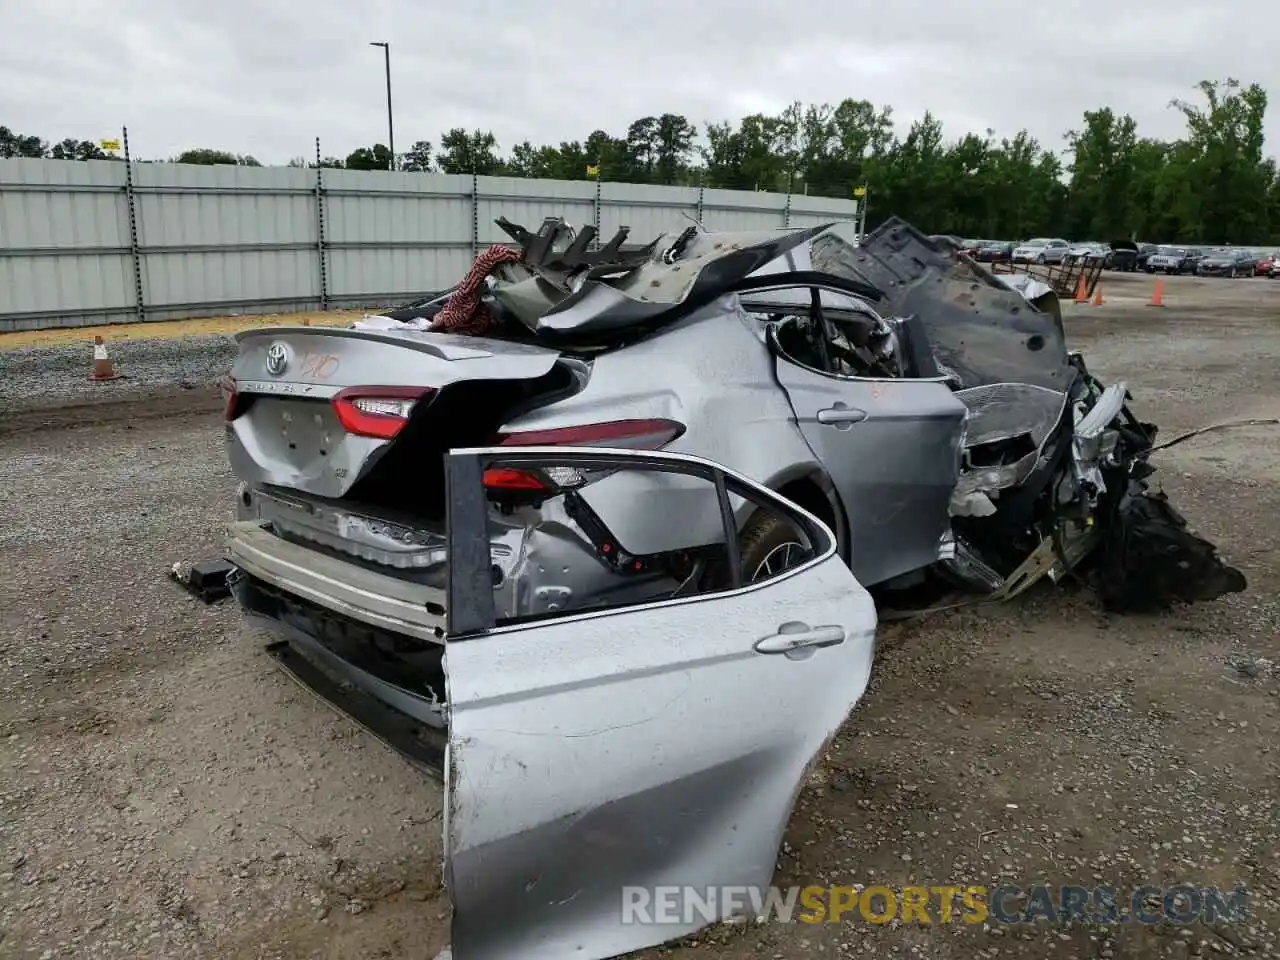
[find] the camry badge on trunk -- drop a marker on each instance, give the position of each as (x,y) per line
(277,359)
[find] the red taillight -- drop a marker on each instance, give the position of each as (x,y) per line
(504,478)
(627,434)
(378,412)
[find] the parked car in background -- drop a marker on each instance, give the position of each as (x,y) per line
(1145,250)
(1227,263)
(1174,260)
(1124,256)
(1090,252)
(994,251)
(1041,250)
(1266,263)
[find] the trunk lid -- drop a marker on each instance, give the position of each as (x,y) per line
(316,410)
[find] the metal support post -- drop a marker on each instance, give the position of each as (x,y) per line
(140,304)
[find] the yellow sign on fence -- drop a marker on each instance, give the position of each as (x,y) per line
(593,169)
(859,191)
(109,144)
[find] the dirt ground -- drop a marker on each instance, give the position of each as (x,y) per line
(166,792)
(169,329)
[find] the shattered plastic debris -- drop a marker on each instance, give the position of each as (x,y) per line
(1149,559)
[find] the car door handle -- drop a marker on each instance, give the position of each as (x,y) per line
(798,636)
(841,415)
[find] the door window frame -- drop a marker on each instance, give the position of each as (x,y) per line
(776,348)
(469,604)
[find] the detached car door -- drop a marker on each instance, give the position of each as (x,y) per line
(608,764)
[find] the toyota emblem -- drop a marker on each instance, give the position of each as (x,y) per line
(277,359)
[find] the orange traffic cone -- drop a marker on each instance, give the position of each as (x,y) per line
(1082,294)
(103,368)
(1097,298)
(1157,295)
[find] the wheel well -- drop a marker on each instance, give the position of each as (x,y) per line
(808,495)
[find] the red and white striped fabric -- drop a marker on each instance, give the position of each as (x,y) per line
(463,312)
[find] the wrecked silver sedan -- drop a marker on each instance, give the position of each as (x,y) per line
(677,464)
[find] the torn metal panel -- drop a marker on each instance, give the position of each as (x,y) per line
(1027,286)
(1008,427)
(694,268)
(982,329)
(1093,443)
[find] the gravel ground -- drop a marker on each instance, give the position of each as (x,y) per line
(165,792)
(48,375)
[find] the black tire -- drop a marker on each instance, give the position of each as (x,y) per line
(763,540)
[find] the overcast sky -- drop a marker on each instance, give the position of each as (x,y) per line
(268,76)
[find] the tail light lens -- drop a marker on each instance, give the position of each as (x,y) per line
(378,412)
(505,478)
(626,434)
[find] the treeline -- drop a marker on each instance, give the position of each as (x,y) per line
(1211,185)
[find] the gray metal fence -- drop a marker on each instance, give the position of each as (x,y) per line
(110,242)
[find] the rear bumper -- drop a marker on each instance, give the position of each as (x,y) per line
(413,725)
(389,603)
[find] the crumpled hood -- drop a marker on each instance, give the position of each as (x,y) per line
(981,328)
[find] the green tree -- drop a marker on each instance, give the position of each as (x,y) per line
(16,145)
(1104,177)
(207,157)
(541,163)
(71,149)
(1213,184)
(1224,160)
(474,152)
(377,157)
(673,146)
(418,157)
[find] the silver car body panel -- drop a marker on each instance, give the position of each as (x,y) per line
(532,839)
(414,609)
(709,369)
(714,367)
(893,449)
(286,439)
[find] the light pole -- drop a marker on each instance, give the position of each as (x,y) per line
(391,130)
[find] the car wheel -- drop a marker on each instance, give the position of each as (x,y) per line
(1233,274)
(768,545)
(1040,259)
